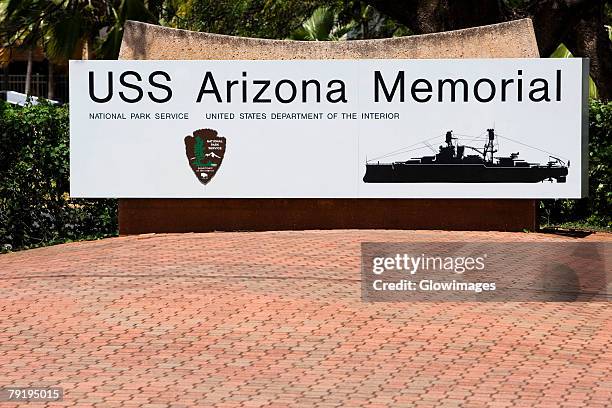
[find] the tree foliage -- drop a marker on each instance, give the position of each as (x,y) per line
(595,210)
(322,25)
(563,52)
(579,24)
(285,18)
(63,27)
(347,21)
(252,18)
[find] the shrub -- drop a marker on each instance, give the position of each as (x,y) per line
(596,210)
(35,207)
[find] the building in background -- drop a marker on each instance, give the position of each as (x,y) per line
(48,80)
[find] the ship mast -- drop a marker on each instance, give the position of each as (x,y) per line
(449,138)
(489,148)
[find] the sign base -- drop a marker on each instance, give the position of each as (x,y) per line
(141,216)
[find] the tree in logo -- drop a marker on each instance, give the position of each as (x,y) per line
(200,153)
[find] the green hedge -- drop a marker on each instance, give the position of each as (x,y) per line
(35,208)
(596,210)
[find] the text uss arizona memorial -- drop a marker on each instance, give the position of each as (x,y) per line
(157,86)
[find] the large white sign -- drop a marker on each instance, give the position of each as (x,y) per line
(485,128)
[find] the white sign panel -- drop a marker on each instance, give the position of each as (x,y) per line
(483,128)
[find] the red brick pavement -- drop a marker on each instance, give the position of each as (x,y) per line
(275,319)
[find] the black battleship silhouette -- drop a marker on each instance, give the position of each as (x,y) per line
(452,165)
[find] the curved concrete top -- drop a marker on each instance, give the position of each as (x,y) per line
(506,40)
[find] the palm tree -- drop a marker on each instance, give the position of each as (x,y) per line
(322,25)
(355,20)
(137,10)
(21,31)
(67,28)
(563,52)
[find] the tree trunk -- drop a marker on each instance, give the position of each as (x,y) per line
(5,78)
(50,82)
(88,49)
(28,80)
(430,16)
(590,39)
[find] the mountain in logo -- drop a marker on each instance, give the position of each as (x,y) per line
(205,151)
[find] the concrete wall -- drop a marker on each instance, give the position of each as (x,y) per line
(506,40)
(144,41)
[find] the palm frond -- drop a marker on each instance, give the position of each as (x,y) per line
(563,52)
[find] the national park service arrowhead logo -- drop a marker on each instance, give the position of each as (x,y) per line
(205,151)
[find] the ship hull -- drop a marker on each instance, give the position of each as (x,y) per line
(460,173)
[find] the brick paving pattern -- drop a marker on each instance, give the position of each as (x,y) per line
(275,319)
